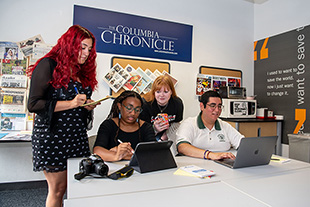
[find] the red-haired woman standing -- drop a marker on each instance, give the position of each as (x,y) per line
(61,82)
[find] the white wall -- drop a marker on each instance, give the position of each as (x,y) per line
(223,35)
(279,16)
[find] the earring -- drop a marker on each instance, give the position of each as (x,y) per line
(119,115)
(137,120)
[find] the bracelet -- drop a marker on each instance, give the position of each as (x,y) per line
(204,154)
(208,158)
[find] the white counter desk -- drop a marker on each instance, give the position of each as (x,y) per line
(136,183)
(165,186)
(289,188)
(210,194)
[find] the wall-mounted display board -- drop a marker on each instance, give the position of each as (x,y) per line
(280,70)
(211,78)
(139,63)
(220,71)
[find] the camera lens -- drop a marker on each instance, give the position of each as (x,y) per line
(101,169)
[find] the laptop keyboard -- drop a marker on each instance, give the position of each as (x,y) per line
(227,162)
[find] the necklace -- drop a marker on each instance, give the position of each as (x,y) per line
(161,109)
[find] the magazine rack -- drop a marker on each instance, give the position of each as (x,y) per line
(16,121)
(143,64)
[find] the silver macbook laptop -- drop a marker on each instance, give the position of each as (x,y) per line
(252,151)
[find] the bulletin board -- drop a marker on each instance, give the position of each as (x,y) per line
(143,64)
(213,78)
(220,71)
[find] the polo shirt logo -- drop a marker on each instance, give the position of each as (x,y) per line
(221,137)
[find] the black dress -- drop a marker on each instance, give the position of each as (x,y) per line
(56,136)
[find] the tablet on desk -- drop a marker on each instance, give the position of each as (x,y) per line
(152,156)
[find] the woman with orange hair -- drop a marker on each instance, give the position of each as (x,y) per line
(162,106)
(61,82)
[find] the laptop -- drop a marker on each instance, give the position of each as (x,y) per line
(152,156)
(252,151)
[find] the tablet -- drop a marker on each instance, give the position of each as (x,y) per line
(152,156)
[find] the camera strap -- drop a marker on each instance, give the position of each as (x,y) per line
(124,172)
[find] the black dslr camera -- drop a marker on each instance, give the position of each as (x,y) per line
(92,165)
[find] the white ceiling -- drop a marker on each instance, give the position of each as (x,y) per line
(257,1)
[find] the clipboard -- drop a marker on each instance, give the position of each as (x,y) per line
(98,101)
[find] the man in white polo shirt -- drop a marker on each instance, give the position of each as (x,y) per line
(206,136)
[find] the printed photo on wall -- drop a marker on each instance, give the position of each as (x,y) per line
(219,81)
(12,121)
(203,84)
(13,81)
(174,80)
(13,100)
(116,77)
(234,82)
(149,86)
(39,50)
(150,74)
(143,83)
(134,78)
(14,67)
(157,73)
(10,51)
(26,46)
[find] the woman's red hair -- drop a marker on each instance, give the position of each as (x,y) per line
(160,81)
(66,53)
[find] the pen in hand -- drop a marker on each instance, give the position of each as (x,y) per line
(77,93)
(120,141)
(76,90)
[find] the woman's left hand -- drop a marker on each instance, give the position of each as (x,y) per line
(160,125)
(91,107)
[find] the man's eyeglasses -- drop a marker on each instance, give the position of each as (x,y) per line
(213,106)
(130,108)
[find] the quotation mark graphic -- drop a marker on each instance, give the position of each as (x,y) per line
(263,50)
(300,116)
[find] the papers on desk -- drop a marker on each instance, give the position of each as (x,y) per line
(194,171)
(279,159)
(16,136)
(3,134)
